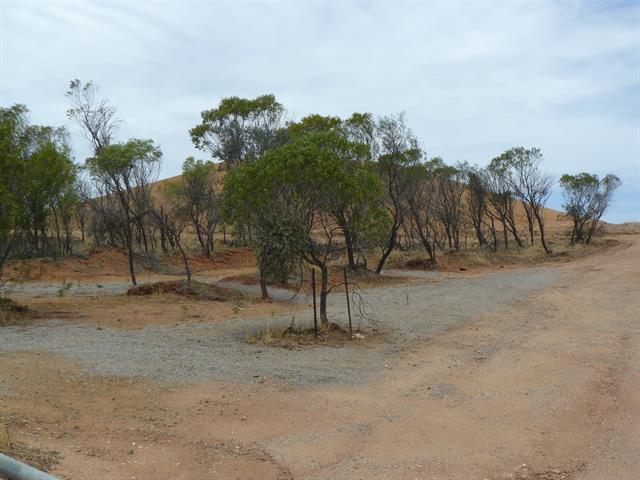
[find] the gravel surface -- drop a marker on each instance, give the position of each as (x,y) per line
(216,351)
(92,288)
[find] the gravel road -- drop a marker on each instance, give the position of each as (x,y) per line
(216,351)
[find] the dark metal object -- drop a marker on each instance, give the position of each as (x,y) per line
(15,470)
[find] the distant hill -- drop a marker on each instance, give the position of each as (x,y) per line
(555,221)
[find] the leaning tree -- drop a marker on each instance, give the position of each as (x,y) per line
(522,168)
(586,198)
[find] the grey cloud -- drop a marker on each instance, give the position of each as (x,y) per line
(473,78)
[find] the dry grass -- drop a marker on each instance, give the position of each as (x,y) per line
(483,258)
(41,459)
(294,337)
(195,290)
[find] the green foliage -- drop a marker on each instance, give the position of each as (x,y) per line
(289,191)
(123,160)
(13,126)
(37,176)
(586,198)
(314,123)
(195,197)
(239,129)
(521,169)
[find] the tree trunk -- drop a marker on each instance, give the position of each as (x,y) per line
(132,269)
(430,250)
(324,292)
(527,210)
(263,286)
(185,258)
(390,246)
(547,249)
(349,243)
(505,233)
(494,236)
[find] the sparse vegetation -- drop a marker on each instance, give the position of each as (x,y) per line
(321,191)
(41,459)
(586,199)
(295,336)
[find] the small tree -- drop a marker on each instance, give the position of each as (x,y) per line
(399,153)
(420,199)
(586,198)
(477,202)
(36,177)
(451,186)
(84,194)
(125,169)
(13,123)
(197,194)
(47,188)
(290,194)
(523,170)
(357,218)
(172,222)
(500,199)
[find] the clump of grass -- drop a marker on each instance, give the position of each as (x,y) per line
(238,305)
(293,336)
(41,459)
(66,286)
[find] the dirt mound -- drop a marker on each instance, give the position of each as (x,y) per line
(193,289)
(420,264)
(12,312)
(104,261)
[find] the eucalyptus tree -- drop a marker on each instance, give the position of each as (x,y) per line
(476,201)
(240,129)
(47,186)
(399,152)
(421,209)
(84,194)
(289,196)
(13,125)
(501,204)
(172,222)
(96,117)
(451,186)
(99,123)
(199,198)
(123,170)
(358,220)
(37,176)
(523,170)
(586,198)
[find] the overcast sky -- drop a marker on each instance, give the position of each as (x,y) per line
(474,78)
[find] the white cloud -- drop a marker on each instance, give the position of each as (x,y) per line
(474,77)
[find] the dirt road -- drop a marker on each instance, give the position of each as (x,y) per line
(527,373)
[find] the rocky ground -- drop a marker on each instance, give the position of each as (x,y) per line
(518,373)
